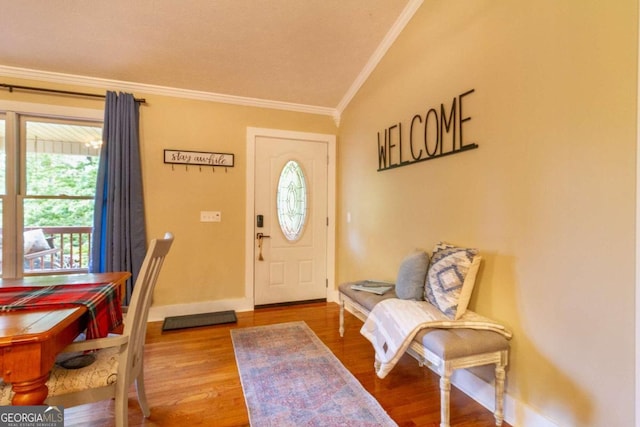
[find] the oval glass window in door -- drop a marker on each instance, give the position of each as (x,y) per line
(291,200)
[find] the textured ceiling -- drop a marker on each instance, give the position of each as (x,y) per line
(295,51)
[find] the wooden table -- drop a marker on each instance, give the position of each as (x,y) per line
(69,279)
(31,340)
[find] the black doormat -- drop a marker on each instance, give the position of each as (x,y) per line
(202,319)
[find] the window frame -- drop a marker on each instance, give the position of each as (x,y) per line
(15,115)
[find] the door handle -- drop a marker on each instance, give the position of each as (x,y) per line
(261,236)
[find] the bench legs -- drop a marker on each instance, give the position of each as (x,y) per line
(341,330)
(500,376)
(445,393)
(445,369)
(445,396)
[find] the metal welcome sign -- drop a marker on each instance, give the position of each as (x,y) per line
(437,134)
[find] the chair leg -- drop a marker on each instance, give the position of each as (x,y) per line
(121,407)
(499,411)
(142,395)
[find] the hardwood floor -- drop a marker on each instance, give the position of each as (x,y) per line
(192,379)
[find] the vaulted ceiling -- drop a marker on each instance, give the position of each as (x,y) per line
(311,53)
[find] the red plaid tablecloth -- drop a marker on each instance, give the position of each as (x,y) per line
(101,299)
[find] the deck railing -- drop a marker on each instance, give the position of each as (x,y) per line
(69,251)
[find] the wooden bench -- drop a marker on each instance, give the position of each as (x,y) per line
(443,350)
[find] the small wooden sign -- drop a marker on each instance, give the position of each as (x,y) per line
(199,158)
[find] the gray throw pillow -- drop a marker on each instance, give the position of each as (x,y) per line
(411,276)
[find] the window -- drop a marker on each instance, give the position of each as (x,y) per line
(291,200)
(52,200)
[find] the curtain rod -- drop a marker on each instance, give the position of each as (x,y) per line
(62,92)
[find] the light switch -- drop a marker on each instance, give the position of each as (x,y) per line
(210,216)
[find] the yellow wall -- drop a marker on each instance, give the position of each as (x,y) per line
(548,197)
(209,264)
(207,259)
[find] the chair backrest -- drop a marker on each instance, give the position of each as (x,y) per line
(136,319)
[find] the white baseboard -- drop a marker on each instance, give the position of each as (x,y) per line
(333,296)
(158,313)
(516,412)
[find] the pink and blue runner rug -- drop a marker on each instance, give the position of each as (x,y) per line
(290,378)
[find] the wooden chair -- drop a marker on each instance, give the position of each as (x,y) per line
(119,358)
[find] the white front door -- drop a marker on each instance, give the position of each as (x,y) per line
(290,219)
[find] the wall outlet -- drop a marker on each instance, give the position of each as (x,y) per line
(210,216)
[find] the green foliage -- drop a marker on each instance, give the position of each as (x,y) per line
(60,175)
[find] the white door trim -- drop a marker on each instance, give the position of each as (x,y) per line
(330,140)
(637,238)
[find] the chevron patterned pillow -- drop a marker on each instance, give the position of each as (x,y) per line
(451,278)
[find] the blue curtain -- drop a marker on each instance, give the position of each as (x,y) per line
(119,235)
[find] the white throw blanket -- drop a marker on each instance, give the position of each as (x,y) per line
(393,323)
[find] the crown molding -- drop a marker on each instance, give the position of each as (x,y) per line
(107,84)
(407,13)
